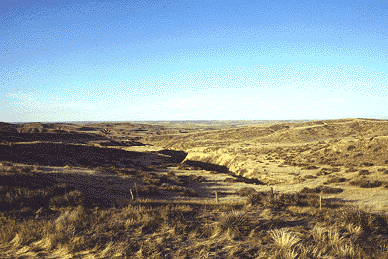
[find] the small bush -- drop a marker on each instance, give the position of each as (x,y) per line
(196,178)
(243,180)
(364,172)
(246,191)
(6,163)
(231,180)
(309,176)
(180,190)
(335,180)
(171,174)
(73,198)
(112,169)
(149,190)
(278,201)
(324,171)
(149,168)
(366,164)
(377,223)
(70,166)
(351,170)
(254,198)
(311,167)
(151,181)
(321,189)
(384,170)
(364,183)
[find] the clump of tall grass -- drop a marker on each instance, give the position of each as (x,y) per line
(328,240)
(278,201)
(72,198)
(285,243)
(232,224)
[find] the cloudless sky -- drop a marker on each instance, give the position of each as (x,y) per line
(193,60)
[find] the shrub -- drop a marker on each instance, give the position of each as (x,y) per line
(384,170)
(366,164)
(196,178)
(231,180)
(254,198)
(6,163)
(70,166)
(180,190)
(369,222)
(112,169)
(364,183)
(364,172)
(321,189)
(73,198)
(283,200)
(335,180)
(246,191)
(311,167)
(151,181)
(324,171)
(309,176)
(149,168)
(149,190)
(171,174)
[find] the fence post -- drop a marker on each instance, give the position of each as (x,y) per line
(137,194)
(131,194)
(216,197)
(320,202)
(271,197)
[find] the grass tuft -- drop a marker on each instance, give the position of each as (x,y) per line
(232,224)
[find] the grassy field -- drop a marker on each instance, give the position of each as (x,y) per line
(42,218)
(140,191)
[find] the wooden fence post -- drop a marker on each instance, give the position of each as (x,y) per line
(137,194)
(216,197)
(131,194)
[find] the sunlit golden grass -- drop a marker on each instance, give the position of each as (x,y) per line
(41,217)
(152,228)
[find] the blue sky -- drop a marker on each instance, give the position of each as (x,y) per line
(192,60)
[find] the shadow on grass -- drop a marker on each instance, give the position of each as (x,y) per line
(53,154)
(176,156)
(223,170)
(64,137)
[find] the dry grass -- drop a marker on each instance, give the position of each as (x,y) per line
(41,217)
(184,229)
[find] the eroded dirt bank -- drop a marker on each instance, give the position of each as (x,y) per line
(257,151)
(350,153)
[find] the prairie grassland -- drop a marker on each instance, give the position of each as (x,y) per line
(42,218)
(130,190)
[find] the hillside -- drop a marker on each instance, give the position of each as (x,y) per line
(313,189)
